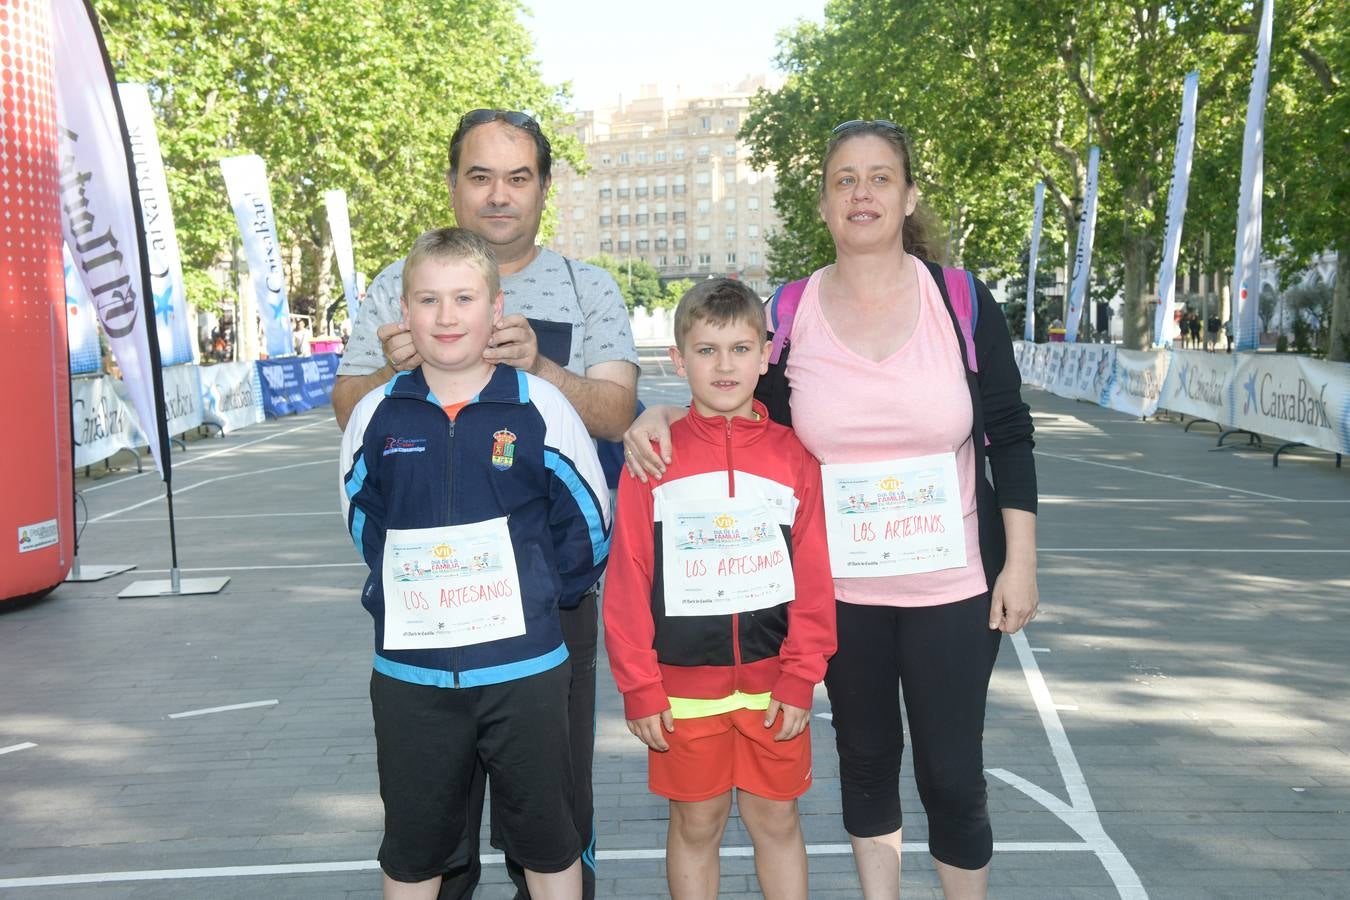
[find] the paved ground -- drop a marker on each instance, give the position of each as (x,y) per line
(1174,725)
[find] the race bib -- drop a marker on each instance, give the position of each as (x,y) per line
(722,556)
(450,586)
(897,517)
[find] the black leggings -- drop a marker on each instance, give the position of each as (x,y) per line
(942,658)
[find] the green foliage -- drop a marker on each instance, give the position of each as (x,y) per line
(1312,305)
(998,94)
(674,290)
(360,95)
(639,281)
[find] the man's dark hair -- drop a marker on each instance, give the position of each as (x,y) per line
(543,150)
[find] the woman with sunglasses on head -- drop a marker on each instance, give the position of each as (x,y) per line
(903,396)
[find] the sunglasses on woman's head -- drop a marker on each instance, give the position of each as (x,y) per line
(863,123)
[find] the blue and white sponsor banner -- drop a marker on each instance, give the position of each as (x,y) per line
(81,322)
(161,241)
(1136,382)
(296,384)
(251,200)
(1293,398)
(1163,324)
(231,395)
(182,398)
(1247,263)
(340,227)
(102,420)
(98,207)
(1082,259)
(1029,330)
(1197,384)
(1086,371)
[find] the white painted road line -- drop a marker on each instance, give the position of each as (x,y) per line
(15,748)
(488,859)
(1053,500)
(178,492)
(215,709)
(334,513)
(1187,550)
(1079,813)
(1208,484)
(350,565)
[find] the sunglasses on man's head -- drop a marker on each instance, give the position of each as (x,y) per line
(510,117)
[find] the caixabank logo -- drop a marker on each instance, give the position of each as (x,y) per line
(1301,402)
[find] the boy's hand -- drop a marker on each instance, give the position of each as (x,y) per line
(795,719)
(397,343)
(514,343)
(648,729)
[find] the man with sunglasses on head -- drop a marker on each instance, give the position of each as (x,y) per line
(565,322)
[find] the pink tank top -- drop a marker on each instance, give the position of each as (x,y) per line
(849,409)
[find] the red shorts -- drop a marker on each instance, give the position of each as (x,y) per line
(710,755)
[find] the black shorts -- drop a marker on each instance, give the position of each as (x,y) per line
(427,740)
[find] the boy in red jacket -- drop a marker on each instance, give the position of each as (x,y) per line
(719,606)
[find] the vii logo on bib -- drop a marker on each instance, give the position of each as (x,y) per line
(723,555)
(503,449)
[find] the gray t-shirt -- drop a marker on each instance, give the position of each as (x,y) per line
(576,326)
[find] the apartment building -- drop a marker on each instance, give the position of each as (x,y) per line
(670,184)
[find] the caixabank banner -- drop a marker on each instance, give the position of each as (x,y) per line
(36,515)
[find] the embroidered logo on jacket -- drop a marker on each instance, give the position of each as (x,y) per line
(503,449)
(404,445)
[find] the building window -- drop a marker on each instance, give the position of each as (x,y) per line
(658,218)
(644,245)
(661,243)
(605,193)
(752,203)
(578,185)
(702,179)
(752,231)
(731,232)
(730,204)
(624,245)
(660,156)
(754,257)
(641,219)
(730,121)
(624,218)
(606,220)
(679,154)
(679,245)
(731,259)
(661,260)
(578,212)
(729,151)
(706,122)
(705,259)
(729,176)
(578,239)
(704,205)
(623,158)
(677,216)
(642,157)
(606,244)
(605,160)
(702,233)
(703,151)
(623,193)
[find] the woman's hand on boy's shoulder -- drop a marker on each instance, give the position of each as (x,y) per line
(648,729)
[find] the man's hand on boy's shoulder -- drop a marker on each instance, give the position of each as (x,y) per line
(648,729)
(795,719)
(515,344)
(397,343)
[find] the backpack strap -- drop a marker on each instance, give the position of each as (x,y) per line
(961,292)
(782,309)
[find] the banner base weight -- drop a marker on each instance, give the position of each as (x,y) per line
(84,572)
(166,588)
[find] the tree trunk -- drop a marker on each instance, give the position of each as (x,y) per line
(1135,250)
(323,281)
(1339,349)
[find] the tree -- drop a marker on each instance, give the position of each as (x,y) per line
(355,94)
(1312,305)
(638,280)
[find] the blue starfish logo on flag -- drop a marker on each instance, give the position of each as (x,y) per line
(1250,387)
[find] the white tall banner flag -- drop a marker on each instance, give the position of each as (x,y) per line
(340,226)
(246,182)
(161,241)
(1247,264)
(1029,331)
(98,208)
(1176,212)
(1082,259)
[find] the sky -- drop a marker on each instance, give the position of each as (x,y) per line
(608,47)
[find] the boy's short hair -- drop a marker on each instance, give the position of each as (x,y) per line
(455,244)
(719,302)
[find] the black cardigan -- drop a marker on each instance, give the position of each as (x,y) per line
(999,414)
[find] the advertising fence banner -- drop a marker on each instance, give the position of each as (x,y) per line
(182,398)
(296,384)
(1197,384)
(1137,381)
(81,324)
(99,215)
(231,395)
(104,423)
(340,227)
(1247,263)
(161,241)
(1029,330)
(251,199)
(1292,397)
(1163,325)
(1082,260)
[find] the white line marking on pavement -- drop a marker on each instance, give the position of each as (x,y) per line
(828,717)
(1067,707)
(1209,484)
(178,464)
(334,512)
(352,565)
(1079,813)
(488,859)
(1062,500)
(178,492)
(15,748)
(215,709)
(1040,649)
(1243,550)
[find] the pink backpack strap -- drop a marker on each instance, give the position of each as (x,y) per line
(782,309)
(961,292)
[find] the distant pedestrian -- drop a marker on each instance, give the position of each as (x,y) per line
(1212,325)
(1228,333)
(1195,327)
